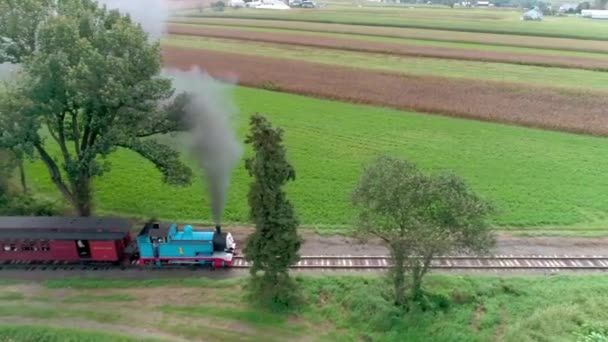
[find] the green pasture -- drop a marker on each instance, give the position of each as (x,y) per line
(417,42)
(534,177)
(337,308)
(503,72)
(471,20)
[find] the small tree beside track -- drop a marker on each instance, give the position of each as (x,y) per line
(419,217)
(274,245)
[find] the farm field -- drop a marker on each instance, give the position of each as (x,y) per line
(400,104)
(573,111)
(517,109)
(428,36)
(523,74)
(468,308)
(401,46)
(469,20)
(536,178)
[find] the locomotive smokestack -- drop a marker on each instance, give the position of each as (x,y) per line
(218,229)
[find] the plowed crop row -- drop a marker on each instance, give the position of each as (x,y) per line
(399,49)
(410,33)
(490,101)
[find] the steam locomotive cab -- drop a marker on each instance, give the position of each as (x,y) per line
(169,245)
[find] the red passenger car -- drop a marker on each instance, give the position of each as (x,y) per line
(64,239)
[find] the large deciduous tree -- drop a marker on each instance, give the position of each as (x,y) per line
(90,85)
(19,24)
(419,217)
(274,245)
(14,146)
(6,169)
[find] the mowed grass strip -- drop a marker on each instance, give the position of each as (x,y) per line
(557,109)
(472,308)
(498,42)
(535,177)
(31,333)
(45,312)
(482,21)
(547,77)
(392,48)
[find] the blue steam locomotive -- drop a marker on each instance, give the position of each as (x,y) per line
(168,245)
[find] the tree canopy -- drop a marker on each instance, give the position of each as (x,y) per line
(90,84)
(275,243)
(418,217)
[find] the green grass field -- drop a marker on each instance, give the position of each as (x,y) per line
(535,178)
(541,76)
(468,308)
(470,20)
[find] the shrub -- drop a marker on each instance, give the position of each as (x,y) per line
(368,307)
(593,333)
(23,205)
(462,297)
(282,296)
(430,302)
(218,6)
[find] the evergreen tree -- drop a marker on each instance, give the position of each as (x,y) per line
(274,245)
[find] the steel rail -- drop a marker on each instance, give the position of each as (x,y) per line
(456,257)
(361,262)
(496,262)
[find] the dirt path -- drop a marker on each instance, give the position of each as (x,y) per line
(92,326)
(571,111)
(392,48)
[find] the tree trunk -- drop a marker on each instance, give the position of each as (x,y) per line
(54,172)
(418,272)
(22,176)
(417,282)
(82,196)
(399,276)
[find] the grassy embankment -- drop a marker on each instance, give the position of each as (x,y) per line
(502,72)
(468,308)
(470,20)
(538,179)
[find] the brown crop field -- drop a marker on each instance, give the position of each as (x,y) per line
(392,48)
(491,101)
(411,33)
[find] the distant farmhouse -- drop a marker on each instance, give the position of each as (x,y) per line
(595,14)
(534,14)
(568,8)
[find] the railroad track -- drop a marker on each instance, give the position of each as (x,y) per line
(497,262)
(371,263)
